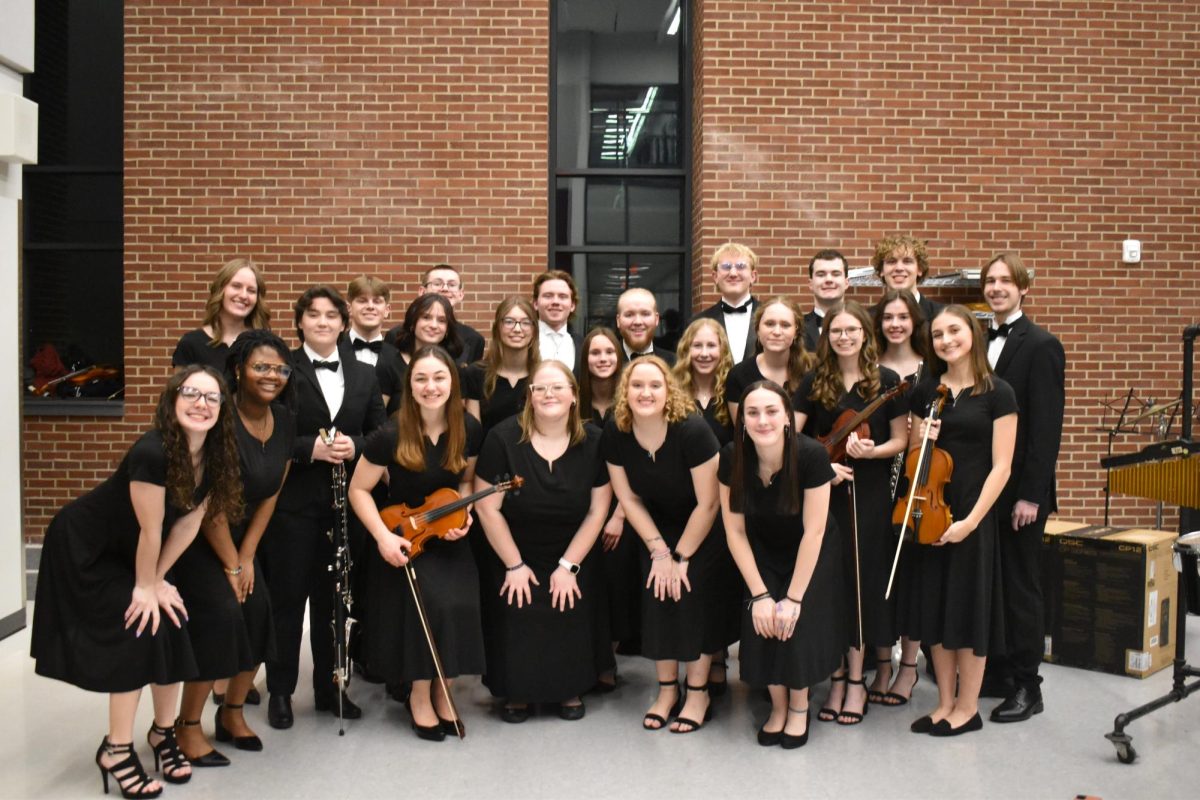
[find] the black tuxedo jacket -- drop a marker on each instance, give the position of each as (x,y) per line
(714,312)
(1034,364)
(812,330)
(665,355)
(929,308)
(308,485)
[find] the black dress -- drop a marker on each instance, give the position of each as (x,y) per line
(506,401)
(816,648)
(229,637)
(85,581)
(729,588)
(193,348)
(952,596)
(684,630)
(743,374)
(538,653)
(449,582)
(393,378)
(872,486)
(621,573)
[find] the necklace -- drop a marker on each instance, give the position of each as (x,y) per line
(263,432)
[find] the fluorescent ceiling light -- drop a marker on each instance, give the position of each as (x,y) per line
(674,27)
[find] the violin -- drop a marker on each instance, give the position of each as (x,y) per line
(76,379)
(851,421)
(925,513)
(442,511)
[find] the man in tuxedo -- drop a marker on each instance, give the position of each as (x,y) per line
(902,262)
(554,299)
(369,308)
(331,392)
(828,280)
(1032,361)
(447,281)
(734,272)
(637,321)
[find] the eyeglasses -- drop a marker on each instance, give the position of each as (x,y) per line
(263,368)
(849,333)
(726,266)
(438,285)
(549,388)
(512,322)
(194,395)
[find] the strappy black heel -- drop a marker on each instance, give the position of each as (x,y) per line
(168,758)
(828,714)
(692,724)
(651,717)
(853,717)
(895,698)
(129,774)
(874,695)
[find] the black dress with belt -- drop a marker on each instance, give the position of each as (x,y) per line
(537,653)
(85,581)
(683,630)
(872,501)
(449,582)
(816,648)
(952,596)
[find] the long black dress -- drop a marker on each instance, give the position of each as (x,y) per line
(725,598)
(86,579)
(538,653)
(952,595)
(395,644)
(193,348)
(621,574)
(229,637)
(872,485)
(684,630)
(816,648)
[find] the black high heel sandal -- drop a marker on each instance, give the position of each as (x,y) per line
(129,774)
(168,758)
(650,717)
(853,717)
(222,734)
(790,742)
(694,725)
(895,699)
(718,688)
(874,695)
(827,714)
(213,758)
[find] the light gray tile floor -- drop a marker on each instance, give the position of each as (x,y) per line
(49,732)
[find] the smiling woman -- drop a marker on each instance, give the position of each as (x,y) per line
(235,304)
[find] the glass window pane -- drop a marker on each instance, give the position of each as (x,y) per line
(639,211)
(655,211)
(602,277)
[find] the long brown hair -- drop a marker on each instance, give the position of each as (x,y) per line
(918,340)
(260,317)
(800,361)
(221,462)
(981,370)
(828,386)
(493,359)
(410,443)
(406,337)
(683,364)
(585,377)
(574,420)
(745,461)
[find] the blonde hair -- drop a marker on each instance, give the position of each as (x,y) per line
(574,421)
(682,370)
(678,406)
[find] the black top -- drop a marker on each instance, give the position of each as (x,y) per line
(742,375)
(473,344)
(722,430)
(506,401)
(392,375)
(411,488)
(263,463)
(821,419)
(663,480)
(194,348)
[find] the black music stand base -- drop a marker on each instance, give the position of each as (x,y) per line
(1179,690)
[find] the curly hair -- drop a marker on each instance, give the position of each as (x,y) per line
(406,337)
(574,420)
(678,406)
(240,352)
(828,386)
(493,359)
(891,244)
(260,317)
(221,462)
(683,364)
(581,367)
(800,361)
(410,443)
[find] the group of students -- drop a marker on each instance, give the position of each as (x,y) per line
(671,504)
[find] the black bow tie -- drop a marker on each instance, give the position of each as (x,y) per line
(332,366)
(996,333)
(728,309)
(633,356)
(363,344)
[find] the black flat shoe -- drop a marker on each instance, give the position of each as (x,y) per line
(251,743)
(604,687)
(789,742)
(768,738)
(1019,706)
(922,724)
(430,733)
(514,715)
(279,711)
(573,712)
(452,727)
(942,728)
(329,703)
(253,698)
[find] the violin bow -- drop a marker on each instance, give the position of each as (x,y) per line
(410,571)
(857,564)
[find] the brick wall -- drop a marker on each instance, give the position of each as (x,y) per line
(329,138)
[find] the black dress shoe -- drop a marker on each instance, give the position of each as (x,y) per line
(768,738)
(514,714)
(572,713)
(329,703)
(279,711)
(452,727)
(1019,706)
(942,727)
(430,733)
(253,698)
(922,724)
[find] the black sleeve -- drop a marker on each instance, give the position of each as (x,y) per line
(801,402)
(699,442)
(380,447)
(814,464)
(472,382)
(735,383)
(725,465)
(148,459)
(610,444)
(592,445)
(493,455)
(474,436)
(1001,400)
(1043,437)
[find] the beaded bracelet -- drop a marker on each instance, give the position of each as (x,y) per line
(660,555)
(236,571)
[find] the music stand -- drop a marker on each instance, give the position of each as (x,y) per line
(1180,689)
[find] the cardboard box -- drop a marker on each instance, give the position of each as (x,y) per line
(1110,597)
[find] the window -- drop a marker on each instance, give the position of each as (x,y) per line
(73,304)
(620,155)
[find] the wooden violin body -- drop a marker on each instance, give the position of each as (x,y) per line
(443,510)
(922,512)
(851,421)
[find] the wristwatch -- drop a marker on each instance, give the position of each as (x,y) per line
(568,566)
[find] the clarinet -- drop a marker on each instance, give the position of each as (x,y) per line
(343,601)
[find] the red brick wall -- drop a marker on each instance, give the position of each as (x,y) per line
(1055,129)
(329,138)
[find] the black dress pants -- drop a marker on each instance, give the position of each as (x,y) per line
(1024,617)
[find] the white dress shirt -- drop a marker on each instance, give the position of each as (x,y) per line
(332,382)
(996,345)
(557,345)
(364,355)
(737,328)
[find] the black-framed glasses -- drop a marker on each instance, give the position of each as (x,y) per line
(194,395)
(512,322)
